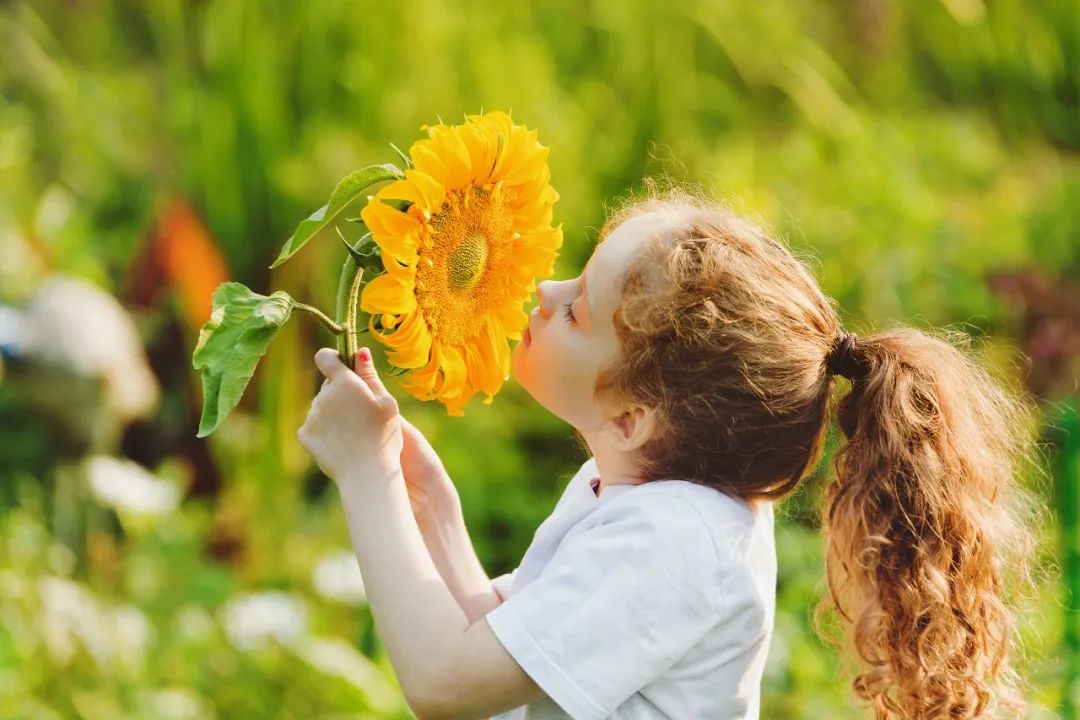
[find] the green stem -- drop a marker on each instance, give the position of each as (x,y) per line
(353,305)
(348,306)
(348,297)
(345,282)
(321,317)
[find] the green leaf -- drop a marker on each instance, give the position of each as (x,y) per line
(346,191)
(404,158)
(232,341)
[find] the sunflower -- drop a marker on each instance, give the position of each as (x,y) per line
(462,257)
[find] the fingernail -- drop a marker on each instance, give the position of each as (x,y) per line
(365,354)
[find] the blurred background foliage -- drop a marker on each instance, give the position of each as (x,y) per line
(923,156)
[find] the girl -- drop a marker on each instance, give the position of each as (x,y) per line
(695,356)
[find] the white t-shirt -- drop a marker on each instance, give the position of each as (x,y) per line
(649,601)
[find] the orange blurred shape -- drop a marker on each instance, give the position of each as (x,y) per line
(189,259)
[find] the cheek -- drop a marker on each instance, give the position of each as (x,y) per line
(554,363)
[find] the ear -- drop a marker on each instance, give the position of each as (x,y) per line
(633,428)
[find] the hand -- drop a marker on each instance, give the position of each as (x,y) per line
(431,491)
(353,424)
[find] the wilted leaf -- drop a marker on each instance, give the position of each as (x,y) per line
(239,331)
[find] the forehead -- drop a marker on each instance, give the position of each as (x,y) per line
(617,247)
(614,252)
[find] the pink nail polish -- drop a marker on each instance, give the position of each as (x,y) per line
(365,354)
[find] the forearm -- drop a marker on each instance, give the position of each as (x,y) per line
(451,549)
(419,620)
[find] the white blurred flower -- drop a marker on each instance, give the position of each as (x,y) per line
(22,268)
(252,620)
(60,559)
(337,577)
(72,324)
(193,623)
(126,486)
(133,634)
(71,617)
(180,703)
(55,207)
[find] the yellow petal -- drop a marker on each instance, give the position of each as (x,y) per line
(502,352)
(387,293)
(453,365)
(382,218)
(532,217)
(512,319)
(404,189)
(530,159)
(483,144)
(410,344)
(431,189)
(421,383)
(396,233)
(549,239)
(455,157)
(427,160)
(455,406)
(482,361)
(500,126)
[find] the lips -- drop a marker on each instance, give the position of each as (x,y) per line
(526,337)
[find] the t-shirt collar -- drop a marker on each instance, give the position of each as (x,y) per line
(594,484)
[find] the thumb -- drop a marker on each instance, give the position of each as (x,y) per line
(329,363)
(365,368)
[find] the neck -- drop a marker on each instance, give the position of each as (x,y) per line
(615,468)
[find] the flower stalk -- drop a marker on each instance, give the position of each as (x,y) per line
(321,317)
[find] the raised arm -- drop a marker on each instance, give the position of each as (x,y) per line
(437,509)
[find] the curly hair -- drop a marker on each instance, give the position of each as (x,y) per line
(725,332)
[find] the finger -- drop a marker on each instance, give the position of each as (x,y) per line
(365,368)
(329,363)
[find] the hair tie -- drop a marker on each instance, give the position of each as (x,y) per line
(841,359)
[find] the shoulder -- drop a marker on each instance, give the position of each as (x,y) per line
(661,527)
(730,523)
(740,535)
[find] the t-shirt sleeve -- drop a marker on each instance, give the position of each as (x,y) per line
(620,601)
(503,583)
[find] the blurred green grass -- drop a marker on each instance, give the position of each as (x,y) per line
(909,149)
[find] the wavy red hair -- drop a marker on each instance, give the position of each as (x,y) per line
(725,331)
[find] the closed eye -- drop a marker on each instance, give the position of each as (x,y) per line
(568,313)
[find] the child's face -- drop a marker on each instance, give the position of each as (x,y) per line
(558,358)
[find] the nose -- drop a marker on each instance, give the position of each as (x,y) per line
(547,293)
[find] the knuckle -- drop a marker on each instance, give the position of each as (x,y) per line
(389,406)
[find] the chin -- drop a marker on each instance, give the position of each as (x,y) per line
(516,360)
(520,371)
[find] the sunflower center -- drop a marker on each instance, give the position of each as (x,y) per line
(467,262)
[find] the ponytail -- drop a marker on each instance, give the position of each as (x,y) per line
(922,531)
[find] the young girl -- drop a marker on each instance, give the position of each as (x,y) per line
(695,356)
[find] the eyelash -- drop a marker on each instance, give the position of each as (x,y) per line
(568,314)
